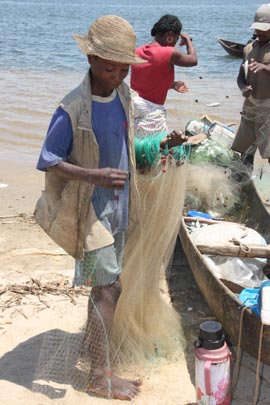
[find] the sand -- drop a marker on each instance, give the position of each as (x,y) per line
(25,319)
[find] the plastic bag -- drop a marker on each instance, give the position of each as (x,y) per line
(244,271)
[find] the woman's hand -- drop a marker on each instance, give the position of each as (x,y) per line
(184,39)
(180,86)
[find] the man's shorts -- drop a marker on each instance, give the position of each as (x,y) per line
(102,266)
(245,137)
(254,128)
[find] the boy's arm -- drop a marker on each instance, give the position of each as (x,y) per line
(56,149)
(105,177)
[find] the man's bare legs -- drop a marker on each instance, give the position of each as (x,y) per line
(101,307)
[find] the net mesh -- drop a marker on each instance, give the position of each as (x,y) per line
(257,113)
(218,193)
(145,326)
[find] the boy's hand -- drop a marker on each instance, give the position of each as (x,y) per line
(109,178)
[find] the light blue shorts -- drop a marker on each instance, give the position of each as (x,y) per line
(101,267)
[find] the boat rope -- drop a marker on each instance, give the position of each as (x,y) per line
(238,356)
(238,352)
(258,367)
(241,245)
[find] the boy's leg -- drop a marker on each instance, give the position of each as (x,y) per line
(102,304)
(104,267)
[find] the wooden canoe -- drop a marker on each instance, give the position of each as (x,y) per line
(219,294)
(232,48)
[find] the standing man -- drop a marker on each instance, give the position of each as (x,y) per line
(254,82)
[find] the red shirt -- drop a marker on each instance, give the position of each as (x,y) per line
(153,79)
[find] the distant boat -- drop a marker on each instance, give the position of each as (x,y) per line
(232,48)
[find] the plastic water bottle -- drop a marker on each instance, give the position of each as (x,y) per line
(212,365)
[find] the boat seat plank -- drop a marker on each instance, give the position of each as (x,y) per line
(235,250)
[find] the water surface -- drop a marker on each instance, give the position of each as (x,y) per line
(40,62)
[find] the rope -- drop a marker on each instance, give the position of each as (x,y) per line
(238,354)
(258,368)
(241,245)
(238,351)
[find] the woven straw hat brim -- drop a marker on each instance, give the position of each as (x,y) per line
(108,54)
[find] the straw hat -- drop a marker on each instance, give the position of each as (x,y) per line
(112,38)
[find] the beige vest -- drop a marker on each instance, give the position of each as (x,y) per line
(259,81)
(64,210)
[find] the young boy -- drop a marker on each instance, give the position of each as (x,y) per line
(91,194)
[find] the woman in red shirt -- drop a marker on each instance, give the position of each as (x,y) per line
(153,79)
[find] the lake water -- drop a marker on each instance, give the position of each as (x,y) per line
(40,62)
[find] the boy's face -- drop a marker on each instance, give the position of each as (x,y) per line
(106,75)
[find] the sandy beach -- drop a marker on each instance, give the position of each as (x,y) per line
(27,253)
(29,257)
(40,63)
(26,319)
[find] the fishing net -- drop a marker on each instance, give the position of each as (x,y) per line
(146,328)
(145,325)
(217,193)
(221,172)
(212,151)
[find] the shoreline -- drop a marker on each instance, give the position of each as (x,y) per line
(25,115)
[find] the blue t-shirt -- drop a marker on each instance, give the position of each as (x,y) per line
(58,142)
(109,124)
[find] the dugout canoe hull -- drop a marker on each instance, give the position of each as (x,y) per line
(220,298)
(232,48)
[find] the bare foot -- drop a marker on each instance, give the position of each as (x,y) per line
(114,387)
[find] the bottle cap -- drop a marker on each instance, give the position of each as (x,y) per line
(211,335)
